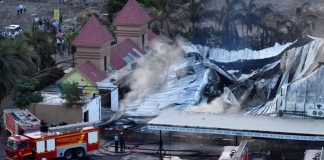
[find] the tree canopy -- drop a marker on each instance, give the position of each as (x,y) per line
(17,60)
(24,92)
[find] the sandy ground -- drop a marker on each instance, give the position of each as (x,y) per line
(46,7)
(42,8)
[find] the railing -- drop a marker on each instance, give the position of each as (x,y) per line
(73,127)
(240,150)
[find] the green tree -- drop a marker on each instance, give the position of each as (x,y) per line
(114,6)
(24,92)
(69,39)
(17,60)
(196,10)
(230,13)
(167,16)
(43,44)
(71,93)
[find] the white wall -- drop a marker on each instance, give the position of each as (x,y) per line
(114,100)
(94,108)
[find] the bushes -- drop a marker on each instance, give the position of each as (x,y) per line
(24,92)
(72,94)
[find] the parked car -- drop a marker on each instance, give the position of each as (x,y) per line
(12,31)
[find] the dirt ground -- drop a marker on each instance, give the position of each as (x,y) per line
(70,9)
(76,8)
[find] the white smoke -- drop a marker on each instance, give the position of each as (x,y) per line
(226,103)
(152,72)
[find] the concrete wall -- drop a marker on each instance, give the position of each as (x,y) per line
(55,114)
(94,108)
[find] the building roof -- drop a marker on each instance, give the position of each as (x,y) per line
(125,52)
(91,72)
(239,122)
(132,14)
(93,34)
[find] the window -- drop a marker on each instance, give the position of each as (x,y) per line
(50,145)
(12,144)
(93,137)
(40,146)
(23,145)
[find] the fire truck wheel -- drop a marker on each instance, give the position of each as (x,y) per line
(79,152)
(68,155)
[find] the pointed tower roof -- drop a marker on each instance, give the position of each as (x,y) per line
(93,34)
(132,14)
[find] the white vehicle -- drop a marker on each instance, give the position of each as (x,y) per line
(12,31)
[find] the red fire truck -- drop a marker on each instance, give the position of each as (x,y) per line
(39,145)
(18,121)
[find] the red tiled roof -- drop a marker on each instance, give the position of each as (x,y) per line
(91,72)
(93,34)
(132,14)
(121,50)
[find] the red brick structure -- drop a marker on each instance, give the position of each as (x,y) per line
(132,23)
(94,44)
(94,40)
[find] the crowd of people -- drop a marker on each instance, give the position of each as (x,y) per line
(41,23)
(45,25)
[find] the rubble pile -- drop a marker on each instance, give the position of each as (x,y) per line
(282,80)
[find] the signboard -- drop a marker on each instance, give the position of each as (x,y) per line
(56,14)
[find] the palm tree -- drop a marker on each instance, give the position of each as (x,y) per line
(251,19)
(227,17)
(113,7)
(196,10)
(43,44)
(165,14)
(16,60)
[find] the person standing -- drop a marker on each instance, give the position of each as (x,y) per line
(116,139)
(122,142)
(61,18)
(18,9)
(25,8)
(21,8)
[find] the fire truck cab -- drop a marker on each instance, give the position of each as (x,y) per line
(50,145)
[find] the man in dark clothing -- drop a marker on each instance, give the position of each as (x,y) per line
(121,141)
(18,9)
(116,139)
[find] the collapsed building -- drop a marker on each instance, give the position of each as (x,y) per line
(282,80)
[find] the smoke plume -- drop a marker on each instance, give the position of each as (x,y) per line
(226,103)
(152,72)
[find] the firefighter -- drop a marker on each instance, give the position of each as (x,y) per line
(122,142)
(116,139)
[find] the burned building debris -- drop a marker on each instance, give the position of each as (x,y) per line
(282,80)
